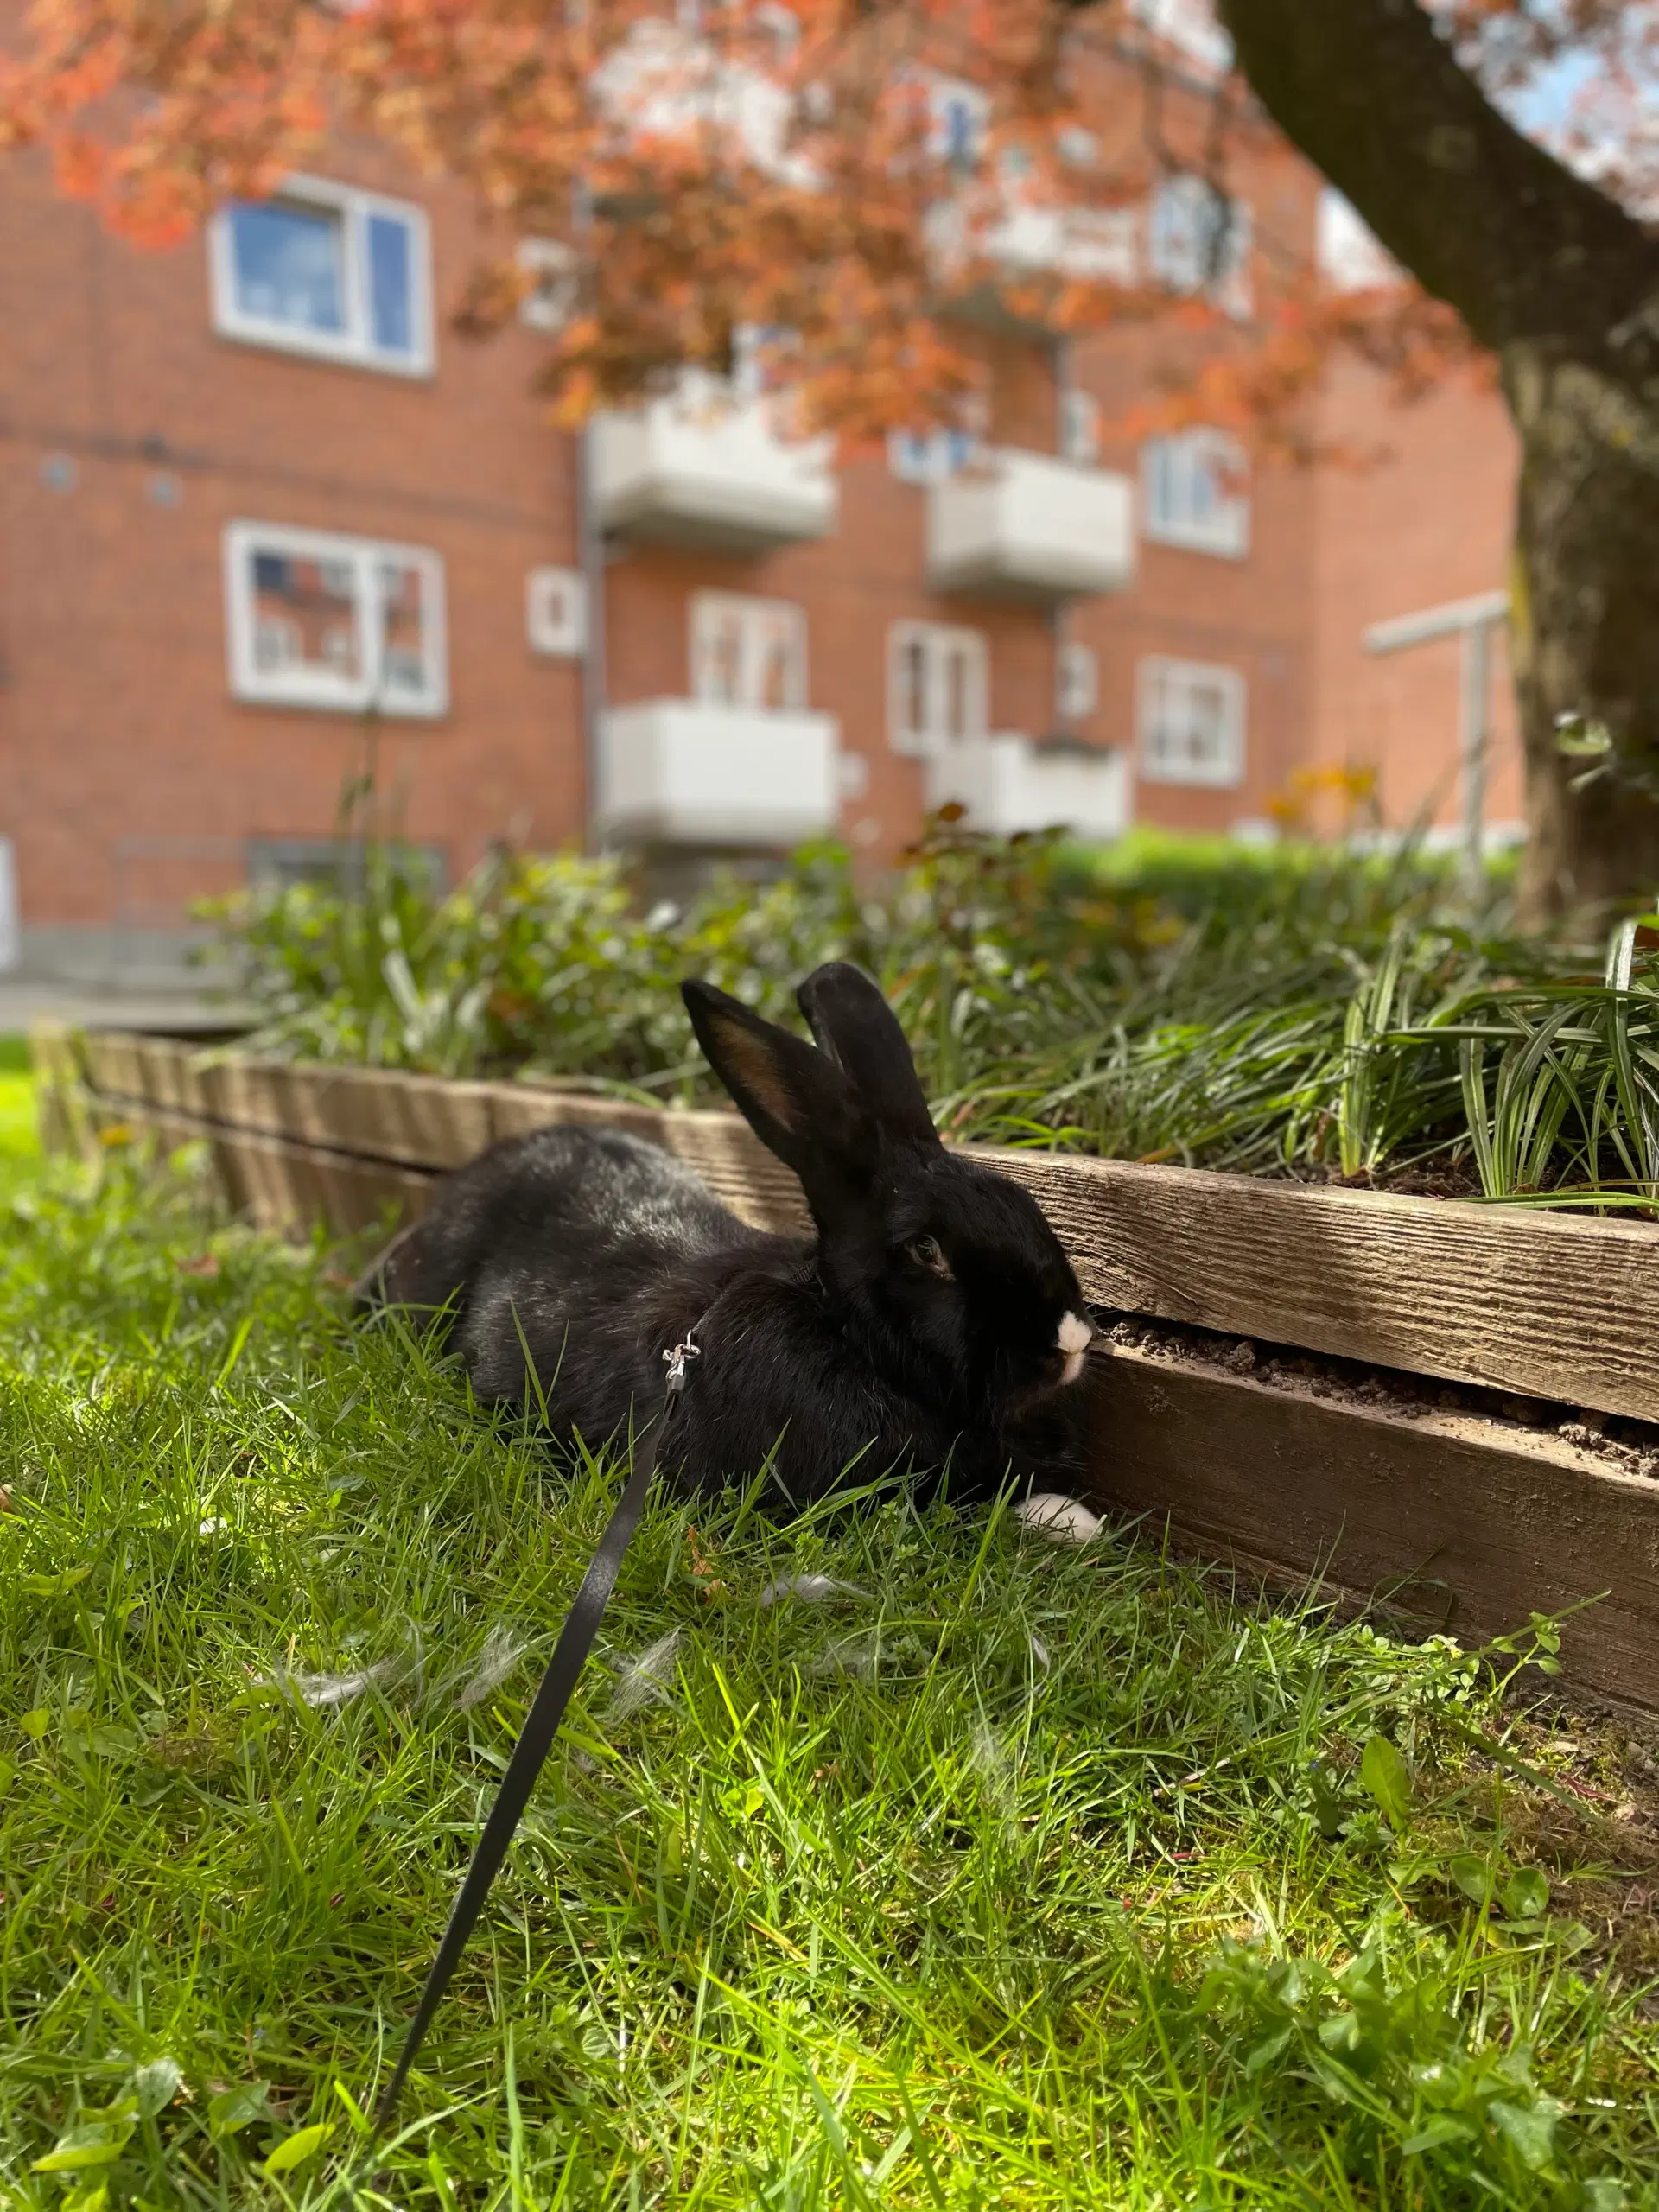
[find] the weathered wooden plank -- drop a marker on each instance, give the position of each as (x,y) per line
(59,1105)
(1554,1306)
(171,1069)
(53,1051)
(380,1113)
(1468,1525)
(275,1181)
(56,1105)
(281,1185)
(114,1062)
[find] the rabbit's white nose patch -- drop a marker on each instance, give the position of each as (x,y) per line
(1073,1338)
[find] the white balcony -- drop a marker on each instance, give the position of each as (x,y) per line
(702,471)
(1084,245)
(1025,526)
(1007,783)
(679,772)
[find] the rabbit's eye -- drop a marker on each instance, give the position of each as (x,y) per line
(926,1254)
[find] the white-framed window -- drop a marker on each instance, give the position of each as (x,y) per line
(937,686)
(1198,240)
(549,299)
(1194,493)
(1190,717)
(929,456)
(316,619)
(325,269)
(957,114)
(747,652)
(556,613)
(1079,439)
(1076,683)
(757,348)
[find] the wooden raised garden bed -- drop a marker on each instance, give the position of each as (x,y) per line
(1440,1405)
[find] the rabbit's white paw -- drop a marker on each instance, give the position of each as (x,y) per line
(1062,1520)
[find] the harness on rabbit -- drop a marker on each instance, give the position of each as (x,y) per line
(546,1714)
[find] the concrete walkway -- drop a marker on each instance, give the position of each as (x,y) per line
(180,1012)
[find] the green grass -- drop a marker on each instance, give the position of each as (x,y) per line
(19,1143)
(1011,1878)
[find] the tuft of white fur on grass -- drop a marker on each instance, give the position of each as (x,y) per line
(1062,1520)
(990,1760)
(647,1680)
(469,1687)
(858,1655)
(326,1692)
(810,1589)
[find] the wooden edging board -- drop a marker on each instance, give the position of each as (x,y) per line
(1460,1522)
(1556,1306)
(1456,1523)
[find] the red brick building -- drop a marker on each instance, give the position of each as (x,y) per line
(264,520)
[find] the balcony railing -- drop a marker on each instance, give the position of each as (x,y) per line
(1025,526)
(681,771)
(1007,782)
(710,473)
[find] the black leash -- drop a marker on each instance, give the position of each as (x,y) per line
(542,1724)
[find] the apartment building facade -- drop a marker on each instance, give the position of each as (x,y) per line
(268,525)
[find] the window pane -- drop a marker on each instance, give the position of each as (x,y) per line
(392,303)
(776,643)
(1163,701)
(405,673)
(955,693)
(907,455)
(961,133)
(1161,506)
(728,658)
(913,686)
(717,650)
(1206,492)
(1208,714)
(304,616)
(290,264)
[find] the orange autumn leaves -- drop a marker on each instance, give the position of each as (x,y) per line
(715,169)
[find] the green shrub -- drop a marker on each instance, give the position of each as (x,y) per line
(1305,1010)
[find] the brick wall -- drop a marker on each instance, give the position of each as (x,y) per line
(130,434)
(1427,523)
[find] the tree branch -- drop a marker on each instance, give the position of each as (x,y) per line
(1482,217)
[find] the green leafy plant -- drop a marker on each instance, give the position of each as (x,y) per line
(1316,1012)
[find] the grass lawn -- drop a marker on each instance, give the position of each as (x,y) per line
(1003,1876)
(18,1148)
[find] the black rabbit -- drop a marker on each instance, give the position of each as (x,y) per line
(928,1327)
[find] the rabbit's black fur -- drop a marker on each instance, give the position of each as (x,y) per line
(929,1325)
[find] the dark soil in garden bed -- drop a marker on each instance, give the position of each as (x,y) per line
(1423,1179)
(1619,1444)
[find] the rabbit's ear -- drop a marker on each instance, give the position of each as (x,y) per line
(856,1026)
(796,1100)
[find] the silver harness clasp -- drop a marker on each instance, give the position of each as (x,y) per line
(678,1356)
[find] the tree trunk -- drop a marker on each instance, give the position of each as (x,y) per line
(1585,633)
